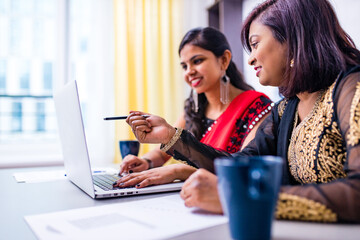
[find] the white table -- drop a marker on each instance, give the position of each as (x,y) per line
(21,199)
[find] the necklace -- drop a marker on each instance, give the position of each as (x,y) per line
(251,123)
(209,128)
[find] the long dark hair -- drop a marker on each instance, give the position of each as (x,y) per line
(212,40)
(316,42)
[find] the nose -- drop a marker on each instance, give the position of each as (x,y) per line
(251,60)
(190,71)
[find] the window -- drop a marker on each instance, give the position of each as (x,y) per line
(44,44)
(2,76)
(16,117)
(47,75)
(27,56)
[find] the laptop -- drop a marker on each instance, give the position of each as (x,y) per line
(76,155)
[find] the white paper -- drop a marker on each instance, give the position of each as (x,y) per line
(156,218)
(47,176)
(39,176)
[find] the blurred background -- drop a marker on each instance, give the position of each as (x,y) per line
(124,55)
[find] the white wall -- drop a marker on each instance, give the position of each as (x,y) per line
(349,18)
(195,13)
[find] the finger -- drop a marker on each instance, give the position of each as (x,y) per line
(188,182)
(129,170)
(133,114)
(134,181)
(146,182)
(124,167)
(139,168)
(131,182)
(120,182)
(140,126)
(127,162)
(186,192)
(130,175)
(189,202)
(143,128)
(182,194)
(138,120)
(138,113)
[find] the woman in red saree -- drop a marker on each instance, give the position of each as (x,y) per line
(222,110)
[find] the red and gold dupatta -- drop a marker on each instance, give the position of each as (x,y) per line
(220,134)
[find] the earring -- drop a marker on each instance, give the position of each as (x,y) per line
(196,101)
(224,89)
(292,63)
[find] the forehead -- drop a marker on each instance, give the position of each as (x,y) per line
(190,50)
(258,29)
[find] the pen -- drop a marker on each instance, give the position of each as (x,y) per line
(122,117)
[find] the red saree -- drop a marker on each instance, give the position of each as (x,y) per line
(231,128)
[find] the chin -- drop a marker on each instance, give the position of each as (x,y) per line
(264,83)
(267,83)
(198,91)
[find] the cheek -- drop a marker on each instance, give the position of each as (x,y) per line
(280,66)
(202,68)
(186,78)
(213,73)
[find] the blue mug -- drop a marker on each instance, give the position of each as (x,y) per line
(129,147)
(248,189)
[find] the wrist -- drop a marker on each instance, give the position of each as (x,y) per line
(150,163)
(172,141)
(182,171)
(170,135)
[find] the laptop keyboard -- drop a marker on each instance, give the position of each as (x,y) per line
(105,181)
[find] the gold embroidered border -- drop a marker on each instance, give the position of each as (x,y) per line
(293,207)
(353,136)
(316,151)
(304,143)
(281,107)
(172,141)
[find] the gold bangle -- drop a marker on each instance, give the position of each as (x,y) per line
(172,141)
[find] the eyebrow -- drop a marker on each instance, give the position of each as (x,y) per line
(254,35)
(192,58)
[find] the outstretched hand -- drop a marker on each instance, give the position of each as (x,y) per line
(150,128)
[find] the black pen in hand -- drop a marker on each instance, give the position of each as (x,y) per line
(122,117)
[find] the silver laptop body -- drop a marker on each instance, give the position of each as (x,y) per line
(75,151)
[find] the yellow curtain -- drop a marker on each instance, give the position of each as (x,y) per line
(147,71)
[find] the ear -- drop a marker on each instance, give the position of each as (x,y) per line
(225,59)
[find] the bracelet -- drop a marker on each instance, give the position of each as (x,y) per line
(151,164)
(172,141)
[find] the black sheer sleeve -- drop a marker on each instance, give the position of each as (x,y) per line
(187,148)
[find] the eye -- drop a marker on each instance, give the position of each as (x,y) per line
(198,60)
(254,45)
(183,66)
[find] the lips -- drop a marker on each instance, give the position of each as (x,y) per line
(258,70)
(195,82)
